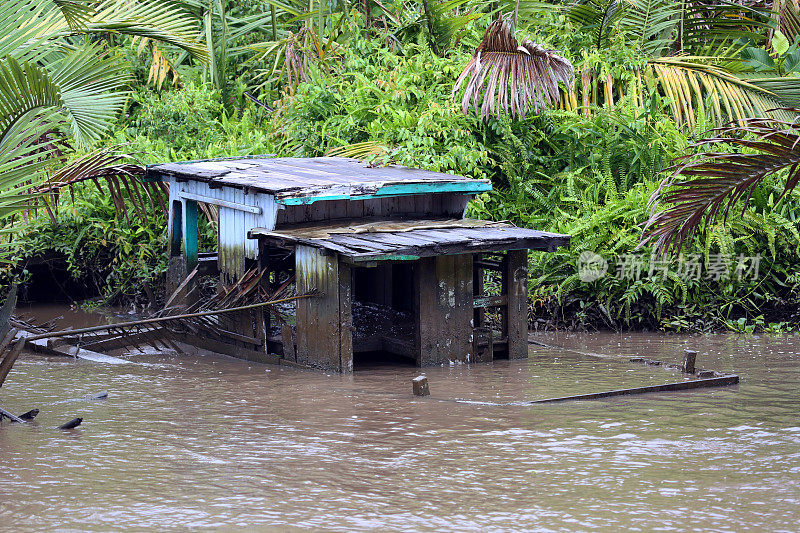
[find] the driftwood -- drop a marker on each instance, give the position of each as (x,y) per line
(10,416)
(723,381)
(30,415)
(72,424)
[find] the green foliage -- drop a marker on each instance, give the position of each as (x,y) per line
(382,87)
(188,124)
(399,102)
(119,256)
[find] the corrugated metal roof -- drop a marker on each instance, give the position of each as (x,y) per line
(413,239)
(304,180)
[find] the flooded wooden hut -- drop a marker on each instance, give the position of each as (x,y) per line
(396,266)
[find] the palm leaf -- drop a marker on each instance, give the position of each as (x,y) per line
(705,23)
(159,21)
(700,89)
(705,184)
(785,90)
(653,22)
(596,16)
(509,77)
(22,163)
(27,26)
(788,17)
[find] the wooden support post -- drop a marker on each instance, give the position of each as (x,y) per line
(287,339)
(689,360)
(189,244)
(482,346)
(318,333)
(420,387)
(478,290)
(345,317)
(427,320)
(443,309)
(515,286)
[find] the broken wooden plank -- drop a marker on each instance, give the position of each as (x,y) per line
(722,381)
(9,360)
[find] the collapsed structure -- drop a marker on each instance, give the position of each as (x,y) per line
(394,265)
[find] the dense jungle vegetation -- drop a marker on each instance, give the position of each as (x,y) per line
(193,79)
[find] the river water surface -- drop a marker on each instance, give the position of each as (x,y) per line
(199,442)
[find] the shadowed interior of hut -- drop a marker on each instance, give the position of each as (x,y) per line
(383,323)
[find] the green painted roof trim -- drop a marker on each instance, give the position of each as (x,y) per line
(387,257)
(399,189)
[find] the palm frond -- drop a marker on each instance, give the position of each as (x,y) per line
(703,23)
(786,90)
(443,25)
(77,13)
(160,65)
(703,185)
(120,172)
(510,77)
(362,151)
(700,89)
(596,16)
(653,22)
(788,17)
(159,21)
(23,160)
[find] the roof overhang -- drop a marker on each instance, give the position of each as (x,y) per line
(413,239)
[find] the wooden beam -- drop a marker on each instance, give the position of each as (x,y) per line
(256,210)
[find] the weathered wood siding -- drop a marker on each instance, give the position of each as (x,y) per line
(515,281)
(417,205)
(324,326)
(234,223)
(443,309)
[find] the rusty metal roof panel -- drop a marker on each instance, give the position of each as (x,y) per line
(412,239)
(306,180)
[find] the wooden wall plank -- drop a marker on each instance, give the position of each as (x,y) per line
(427,319)
(462,317)
(345,318)
(516,276)
(443,309)
(318,318)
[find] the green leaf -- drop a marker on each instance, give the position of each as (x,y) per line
(758,58)
(780,43)
(792,61)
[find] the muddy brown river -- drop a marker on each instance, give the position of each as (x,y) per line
(198,442)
